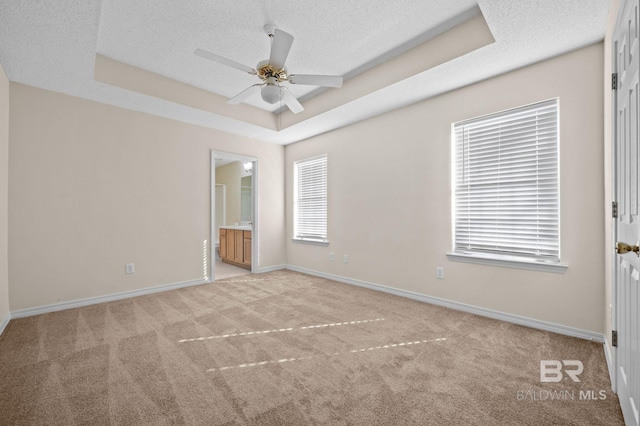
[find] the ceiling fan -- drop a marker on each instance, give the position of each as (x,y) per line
(273,73)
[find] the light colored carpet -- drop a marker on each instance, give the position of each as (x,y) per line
(288,349)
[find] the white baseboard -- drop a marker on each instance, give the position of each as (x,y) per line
(5,322)
(101,299)
(515,319)
(112,297)
(502,316)
(271,269)
(610,365)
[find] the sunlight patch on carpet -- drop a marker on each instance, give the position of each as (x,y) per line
(283,360)
(279,330)
(228,280)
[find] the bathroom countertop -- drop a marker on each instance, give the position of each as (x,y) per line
(238,227)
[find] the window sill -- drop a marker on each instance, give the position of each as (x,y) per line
(324,243)
(507,262)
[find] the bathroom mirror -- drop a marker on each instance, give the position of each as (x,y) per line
(237,201)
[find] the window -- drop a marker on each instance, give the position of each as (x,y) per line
(506,197)
(310,199)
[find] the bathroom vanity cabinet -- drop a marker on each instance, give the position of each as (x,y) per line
(235,246)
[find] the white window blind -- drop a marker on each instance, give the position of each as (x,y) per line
(310,199)
(506,198)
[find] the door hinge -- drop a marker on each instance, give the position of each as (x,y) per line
(614,209)
(614,81)
(614,338)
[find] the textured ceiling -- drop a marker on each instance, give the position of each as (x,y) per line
(331,37)
(53,45)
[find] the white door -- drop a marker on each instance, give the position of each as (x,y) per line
(627,186)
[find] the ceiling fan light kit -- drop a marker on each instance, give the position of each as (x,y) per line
(270,93)
(273,73)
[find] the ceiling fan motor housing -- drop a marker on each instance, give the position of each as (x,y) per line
(266,71)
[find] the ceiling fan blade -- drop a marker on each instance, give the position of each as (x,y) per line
(291,101)
(245,94)
(316,80)
(280,46)
(224,61)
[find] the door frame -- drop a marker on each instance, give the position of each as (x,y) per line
(255,230)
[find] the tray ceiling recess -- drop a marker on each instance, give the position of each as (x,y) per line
(140,55)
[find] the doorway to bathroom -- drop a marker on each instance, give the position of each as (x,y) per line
(234,230)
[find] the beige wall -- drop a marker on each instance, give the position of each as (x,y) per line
(608,169)
(92,187)
(389,197)
(4,187)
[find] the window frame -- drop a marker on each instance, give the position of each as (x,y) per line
(321,239)
(505,258)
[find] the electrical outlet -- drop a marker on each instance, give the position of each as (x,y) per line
(129,268)
(346,258)
(440,272)
(331,256)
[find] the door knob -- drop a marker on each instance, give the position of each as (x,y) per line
(622,248)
